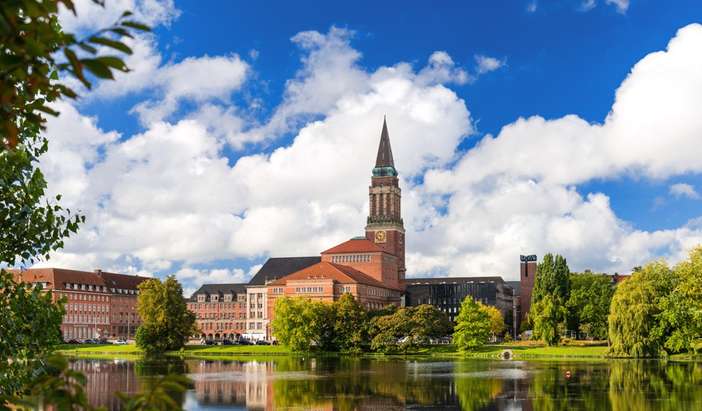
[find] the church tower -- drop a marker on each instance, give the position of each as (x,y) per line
(385,227)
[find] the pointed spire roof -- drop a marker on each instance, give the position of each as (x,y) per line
(384,163)
(384,158)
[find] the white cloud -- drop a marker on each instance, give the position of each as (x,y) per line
(621,5)
(170,195)
(532,6)
(684,190)
(91,17)
(441,69)
(486,64)
(195,79)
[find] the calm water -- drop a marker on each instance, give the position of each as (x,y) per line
(365,384)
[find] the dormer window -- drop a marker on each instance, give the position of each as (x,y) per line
(227,297)
(215,298)
(201,298)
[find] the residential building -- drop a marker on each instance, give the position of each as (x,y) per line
(99,304)
(220,310)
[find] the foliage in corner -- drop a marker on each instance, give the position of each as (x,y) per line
(29,329)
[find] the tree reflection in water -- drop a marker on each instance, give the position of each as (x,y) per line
(350,383)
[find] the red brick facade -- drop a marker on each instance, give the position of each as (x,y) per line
(98,304)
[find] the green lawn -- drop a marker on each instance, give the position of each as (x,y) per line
(526,350)
(118,351)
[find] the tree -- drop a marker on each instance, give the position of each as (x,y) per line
(29,329)
(548,320)
(350,324)
(682,309)
(588,304)
(636,327)
(166,322)
(551,292)
(408,328)
(301,324)
(472,325)
(497,321)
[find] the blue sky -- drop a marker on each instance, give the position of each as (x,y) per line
(551,59)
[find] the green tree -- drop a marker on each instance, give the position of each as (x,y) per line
(29,330)
(301,324)
(408,328)
(636,327)
(350,324)
(682,309)
(588,304)
(473,325)
(497,321)
(548,321)
(551,292)
(166,322)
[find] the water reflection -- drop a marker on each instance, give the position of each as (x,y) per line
(372,384)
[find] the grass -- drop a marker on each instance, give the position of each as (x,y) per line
(131,351)
(521,350)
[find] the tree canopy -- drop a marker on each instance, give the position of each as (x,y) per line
(166,321)
(473,325)
(635,323)
(548,304)
(588,304)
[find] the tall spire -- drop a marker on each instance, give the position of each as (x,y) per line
(384,163)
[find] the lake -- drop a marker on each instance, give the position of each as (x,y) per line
(347,383)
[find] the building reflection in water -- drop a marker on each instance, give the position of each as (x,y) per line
(371,384)
(105,378)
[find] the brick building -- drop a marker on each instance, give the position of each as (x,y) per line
(371,267)
(98,304)
(220,310)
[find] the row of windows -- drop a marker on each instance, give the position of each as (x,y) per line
(209,326)
(84,297)
(87,307)
(378,292)
(99,288)
(85,319)
(254,314)
(309,289)
(221,316)
(226,298)
(198,306)
(255,326)
(352,258)
(277,290)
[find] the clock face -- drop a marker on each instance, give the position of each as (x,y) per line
(380,236)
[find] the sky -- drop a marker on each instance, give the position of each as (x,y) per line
(247,130)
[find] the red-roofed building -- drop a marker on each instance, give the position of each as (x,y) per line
(371,267)
(98,304)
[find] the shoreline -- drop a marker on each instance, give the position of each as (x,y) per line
(522,352)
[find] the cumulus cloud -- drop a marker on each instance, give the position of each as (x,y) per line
(199,79)
(684,190)
(170,195)
(91,17)
(486,64)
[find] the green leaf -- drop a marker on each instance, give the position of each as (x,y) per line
(136,25)
(98,68)
(117,45)
(114,62)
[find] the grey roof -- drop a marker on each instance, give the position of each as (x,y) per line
(219,289)
(452,280)
(384,158)
(279,267)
